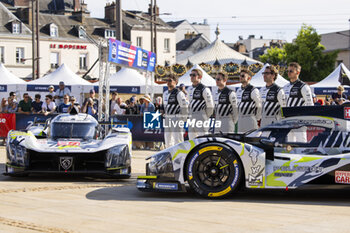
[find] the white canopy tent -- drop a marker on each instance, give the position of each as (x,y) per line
(217,50)
(77,85)
(9,82)
(327,86)
(130,81)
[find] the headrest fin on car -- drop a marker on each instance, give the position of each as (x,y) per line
(74,110)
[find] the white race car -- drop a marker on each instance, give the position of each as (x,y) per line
(69,143)
(296,151)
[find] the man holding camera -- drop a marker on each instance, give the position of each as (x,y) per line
(60,92)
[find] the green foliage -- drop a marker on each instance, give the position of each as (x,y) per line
(308,52)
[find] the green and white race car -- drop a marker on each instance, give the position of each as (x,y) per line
(311,149)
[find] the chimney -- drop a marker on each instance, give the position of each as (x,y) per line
(79,16)
(25,15)
(110,15)
(17,3)
(76,5)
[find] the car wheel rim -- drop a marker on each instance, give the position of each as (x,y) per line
(213,171)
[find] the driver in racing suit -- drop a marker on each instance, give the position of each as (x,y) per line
(201,105)
(175,110)
(249,104)
(225,106)
(298,94)
(273,98)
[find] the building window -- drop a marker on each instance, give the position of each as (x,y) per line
(139,41)
(54,57)
(16,28)
(20,55)
(81,32)
(109,33)
(2,54)
(167,45)
(53,31)
(83,61)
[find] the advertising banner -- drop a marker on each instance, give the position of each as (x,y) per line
(43,88)
(3,88)
(122,89)
(131,56)
(7,122)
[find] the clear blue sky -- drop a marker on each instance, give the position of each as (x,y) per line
(272,19)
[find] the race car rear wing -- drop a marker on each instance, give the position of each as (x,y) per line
(334,111)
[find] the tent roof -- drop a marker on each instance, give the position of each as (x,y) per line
(332,80)
(127,77)
(258,79)
(217,50)
(6,77)
(63,73)
(207,80)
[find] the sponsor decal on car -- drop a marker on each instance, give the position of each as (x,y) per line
(165,186)
(346,112)
(255,180)
(66,162)
(342,177)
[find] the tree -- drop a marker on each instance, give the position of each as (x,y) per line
(307,50)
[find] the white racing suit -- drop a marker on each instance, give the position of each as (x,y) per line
(175,110)
(249,108)
(298,94)
(226,110)
(273,99)
(200,109)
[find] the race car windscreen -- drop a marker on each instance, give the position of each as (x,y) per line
(73,130)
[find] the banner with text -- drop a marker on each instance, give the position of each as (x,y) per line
(131,56)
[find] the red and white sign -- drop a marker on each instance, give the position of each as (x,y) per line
(68,46)
(342,177)
(346,112)
(68,143)
(7,122)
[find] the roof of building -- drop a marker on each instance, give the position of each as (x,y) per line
(6,18)
(174,24)
(186,43)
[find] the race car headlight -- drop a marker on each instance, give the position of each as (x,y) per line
(161,164)
(118,156)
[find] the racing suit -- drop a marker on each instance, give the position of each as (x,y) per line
(175,110)
(298,94)
(200,109)
(226,110)
(249,108)
(273,99)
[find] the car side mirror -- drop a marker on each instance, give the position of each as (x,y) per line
(268,141)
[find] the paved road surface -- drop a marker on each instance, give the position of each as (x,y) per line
(78,204)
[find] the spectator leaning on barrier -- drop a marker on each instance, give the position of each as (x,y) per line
(63,108)
(112,102)
(89,108)
(12,106)
(225,105)
(297,92)
(147,105)
(13,96)
(60,92)
(336,97)
(119,107)
(92,95)
(73,103)
(25,105)
(132,108)
(249,104)
(3,105)
(48,107)
(272,96)
(201,105)
(37,104)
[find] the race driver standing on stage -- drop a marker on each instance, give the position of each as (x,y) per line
(272,96)
(297,92)
(175,110)
(249,104)
(225,105)
(201,105)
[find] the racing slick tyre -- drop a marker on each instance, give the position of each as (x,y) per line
(214,171)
